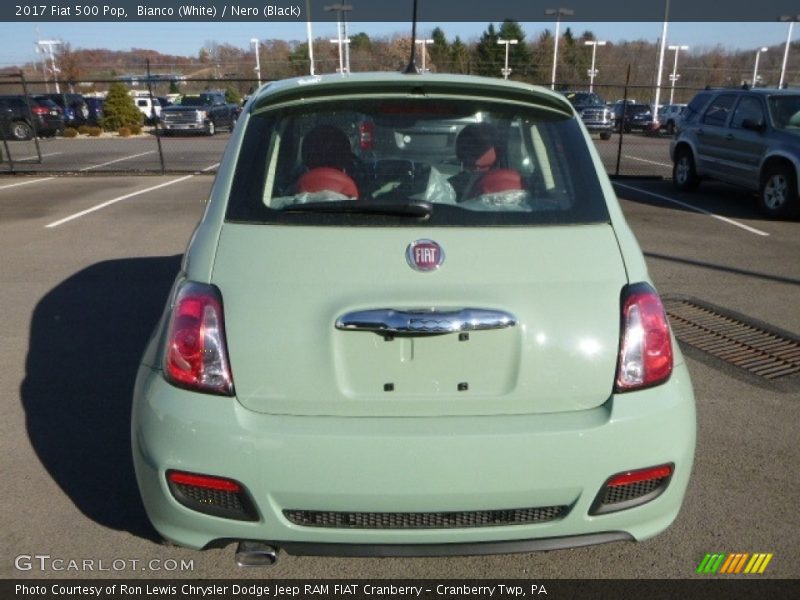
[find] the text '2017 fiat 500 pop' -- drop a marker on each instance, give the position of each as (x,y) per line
(412,321)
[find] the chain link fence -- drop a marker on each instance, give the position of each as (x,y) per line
(30,142)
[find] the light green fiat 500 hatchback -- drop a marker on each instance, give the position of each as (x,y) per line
(412,321)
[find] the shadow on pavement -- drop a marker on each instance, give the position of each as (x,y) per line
(87,336)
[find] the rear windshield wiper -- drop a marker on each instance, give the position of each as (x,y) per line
(416,209)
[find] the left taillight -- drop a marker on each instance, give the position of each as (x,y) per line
(645,354)
(196,355)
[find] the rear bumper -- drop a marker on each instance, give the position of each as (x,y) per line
(411,465)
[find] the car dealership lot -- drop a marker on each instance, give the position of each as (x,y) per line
(639,155)
(88,261)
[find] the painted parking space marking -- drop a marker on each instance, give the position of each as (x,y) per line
(649,162)
(111,162)
(27,182)
(125,197)
(114,201)
(695,209)
(35,156)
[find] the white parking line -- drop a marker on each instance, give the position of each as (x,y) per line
(27,182)
(32,156)
(121,198)
(696,209)
(111,162)
(649,162)
(114,201)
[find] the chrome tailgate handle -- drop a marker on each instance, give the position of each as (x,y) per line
(392,321)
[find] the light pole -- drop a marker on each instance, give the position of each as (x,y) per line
(505,70)
(755,69)
(256,45)
(593,72)
(310,42)
(674,77)
(341,28)
(661,58)
(47,45)
(558,12)
(423,43)
(791,20)
(342,43)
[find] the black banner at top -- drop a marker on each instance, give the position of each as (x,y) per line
(432,11)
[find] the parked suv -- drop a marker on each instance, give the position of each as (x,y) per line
(628,117)
(669,116)
(749,138)
(20,118)
(74,107)
(593,112)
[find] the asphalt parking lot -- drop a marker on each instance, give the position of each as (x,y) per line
(87,264)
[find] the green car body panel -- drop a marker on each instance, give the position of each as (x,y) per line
(328,419)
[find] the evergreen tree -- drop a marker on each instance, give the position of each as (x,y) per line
(232,95)
(488,54)
(459,56)
(440,51)
(119,109)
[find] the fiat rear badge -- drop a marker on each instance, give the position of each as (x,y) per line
(424,255)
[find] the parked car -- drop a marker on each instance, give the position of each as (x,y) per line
(21,117)
(593,112)
(361,357)
(201,113)
(747,137)
(73,106)
(630,117)
(95,106)
(149,106)
(669,116)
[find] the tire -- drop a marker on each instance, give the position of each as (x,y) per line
(21,131)
(684,173)
(671,128)
(605,135)
(777,197)
(211,129)
(627,127)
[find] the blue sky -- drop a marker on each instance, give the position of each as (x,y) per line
(188,38)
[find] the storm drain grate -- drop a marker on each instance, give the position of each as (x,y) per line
(764,353)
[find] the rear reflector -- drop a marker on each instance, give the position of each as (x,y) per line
(642,475)
(204,481)
(631,488)
(211,495)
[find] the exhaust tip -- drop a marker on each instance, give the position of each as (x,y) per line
(255,554)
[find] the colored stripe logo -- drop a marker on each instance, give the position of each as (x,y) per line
(734,564)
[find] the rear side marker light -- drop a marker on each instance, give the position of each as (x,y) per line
(645,350)
(216,496)
(196,355)
(631,489)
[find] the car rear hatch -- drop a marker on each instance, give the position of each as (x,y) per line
(284,289)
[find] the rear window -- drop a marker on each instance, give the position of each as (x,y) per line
(360,163)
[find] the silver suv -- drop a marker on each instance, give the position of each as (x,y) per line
(749,138)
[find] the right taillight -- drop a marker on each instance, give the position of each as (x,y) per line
(645,353)
(196,356)
(366,135)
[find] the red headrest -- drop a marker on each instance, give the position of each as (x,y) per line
(327,179)
(496,181)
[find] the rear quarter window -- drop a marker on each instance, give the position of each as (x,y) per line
(476,163)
